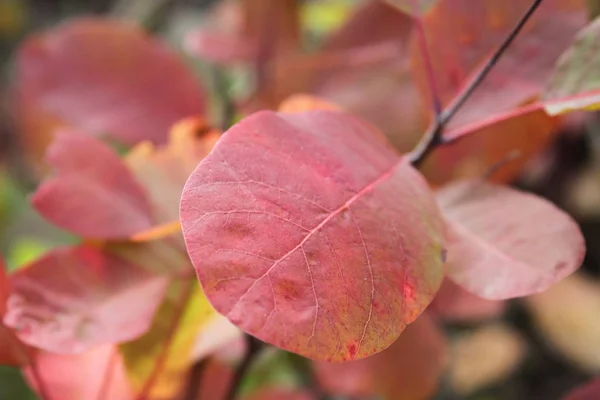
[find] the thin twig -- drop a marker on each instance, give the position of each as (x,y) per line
(433,137)
(254,346)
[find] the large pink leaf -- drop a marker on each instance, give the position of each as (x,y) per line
(76,298)
(308,231)
(589,391)
(93,194)
(105,77)
(504,243)
(410,369)
(95,374)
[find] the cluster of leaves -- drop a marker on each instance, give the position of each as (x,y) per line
(305,227)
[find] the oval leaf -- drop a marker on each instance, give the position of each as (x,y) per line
(307,231)
(504,243)
(410,369)
(98,299)
(93,194)
(130,87)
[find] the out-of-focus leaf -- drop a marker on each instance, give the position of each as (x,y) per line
(13,386)
(588,391)
(575,83)
(485,357)
(324,16)
(96,374)
(413,7)
(163,171)
(12,351)
(462,34)
(410,369)
(453,303)
(328,255)
(566,316)
(481,145)
(93,193)
(305,102)
(104,77)
(216,334)
(76,298)
(158,363)
(504,243)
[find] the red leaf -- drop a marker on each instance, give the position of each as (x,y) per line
(94,194)
(76,298)
(83,376)
(130,87)
(280,394)
(453,303)
(415,7)
(461,35)
(307,231)
(409,370)
(589,391)
(504,243)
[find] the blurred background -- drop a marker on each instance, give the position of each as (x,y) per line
(539,347)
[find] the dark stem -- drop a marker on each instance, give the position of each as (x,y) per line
(195,380)
(253,349)
(433,137)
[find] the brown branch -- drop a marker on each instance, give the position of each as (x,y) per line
(433,137)
(253,349)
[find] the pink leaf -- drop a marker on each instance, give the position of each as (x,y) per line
(504,243)
(94,194)
(76,298)
(589,391)
(307,231)
(130,86)
(453,303)
(83,376)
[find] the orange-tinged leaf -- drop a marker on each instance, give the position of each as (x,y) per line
(588,391)
(329,251)
(479,146)
(93,193)
(462,34)
(566,317)
(306,102)
(96,374)
(410,369)
(164,170)
(504,243)
(158,363)
(76,298)
(157,232)
(575,83)
(131,87)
